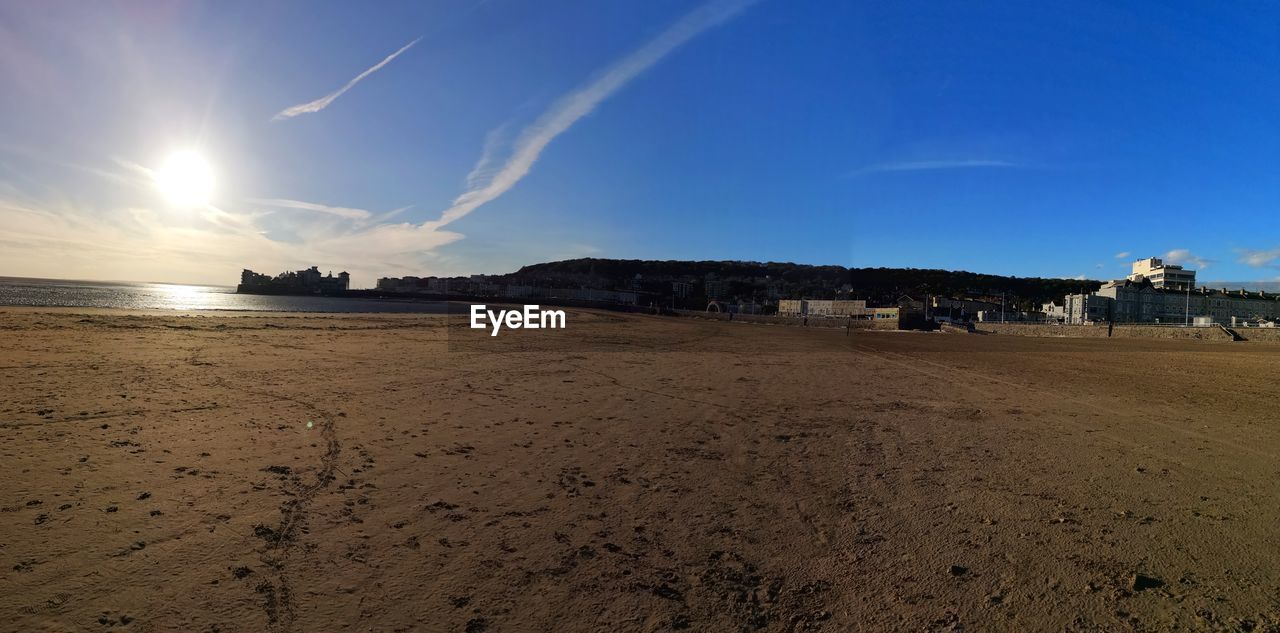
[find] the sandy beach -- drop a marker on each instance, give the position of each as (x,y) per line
(289,472)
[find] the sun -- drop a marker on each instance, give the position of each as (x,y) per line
(185,179)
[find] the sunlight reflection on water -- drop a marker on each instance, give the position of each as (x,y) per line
(155,296)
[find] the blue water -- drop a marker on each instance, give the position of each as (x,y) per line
(16,291)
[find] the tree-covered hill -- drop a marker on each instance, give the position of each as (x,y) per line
(762,280)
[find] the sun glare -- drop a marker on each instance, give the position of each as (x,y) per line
(185,179)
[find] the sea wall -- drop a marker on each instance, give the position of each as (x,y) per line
(1040,329)
(1100,331)
(1147,331)
(857,324)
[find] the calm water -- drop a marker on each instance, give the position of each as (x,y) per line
(149,296)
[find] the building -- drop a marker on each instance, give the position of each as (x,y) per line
(835,308)
(1156,292)
(883,314)
(948,309)
(1085,308)
(517,291)
(1142,301)
(1163,276)
(308,281)
(1129,301)
(1011,316)
(248,278)
(397,284)
(624,297)
(1053,312)
(714,287)
(909,303)
(791,307)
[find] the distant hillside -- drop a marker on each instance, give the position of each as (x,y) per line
(759,280)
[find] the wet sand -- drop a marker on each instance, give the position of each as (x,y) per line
(633,473)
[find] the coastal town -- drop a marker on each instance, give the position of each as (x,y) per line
(1155,293)
(639,317)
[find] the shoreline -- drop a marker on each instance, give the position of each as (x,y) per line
(215,312)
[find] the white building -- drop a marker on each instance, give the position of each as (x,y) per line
(1053,312)
(1163,276)
(1127,301)
(791,307)
(1085,308)
(823,307)
(838,307)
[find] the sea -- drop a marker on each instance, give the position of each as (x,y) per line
(19,291)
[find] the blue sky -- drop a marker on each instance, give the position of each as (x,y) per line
(1005,138)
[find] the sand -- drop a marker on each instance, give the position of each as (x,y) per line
(632,473)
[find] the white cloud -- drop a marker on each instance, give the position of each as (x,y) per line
(1184,257)
(484,169)
(62,239)
(486,184)
(358,215)
(924,165)
(57,236)
(1122,255)
(323,102)
(1258,258)
(391,214)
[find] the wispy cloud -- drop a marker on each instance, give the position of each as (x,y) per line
(154,243)
(486,183)
(484,169)
(1123,255)
(391,214)
(349,213)
(1259,258)
(1184,257)
(926,165)
(105,239)
(323,102)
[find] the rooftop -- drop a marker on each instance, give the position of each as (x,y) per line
(1201,291)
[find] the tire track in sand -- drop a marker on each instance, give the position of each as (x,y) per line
(281,539)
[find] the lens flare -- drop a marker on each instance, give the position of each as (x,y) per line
(185,179)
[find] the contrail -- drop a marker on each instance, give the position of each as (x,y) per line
(567,110)
(924,165)
(323,102)
(358,215)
